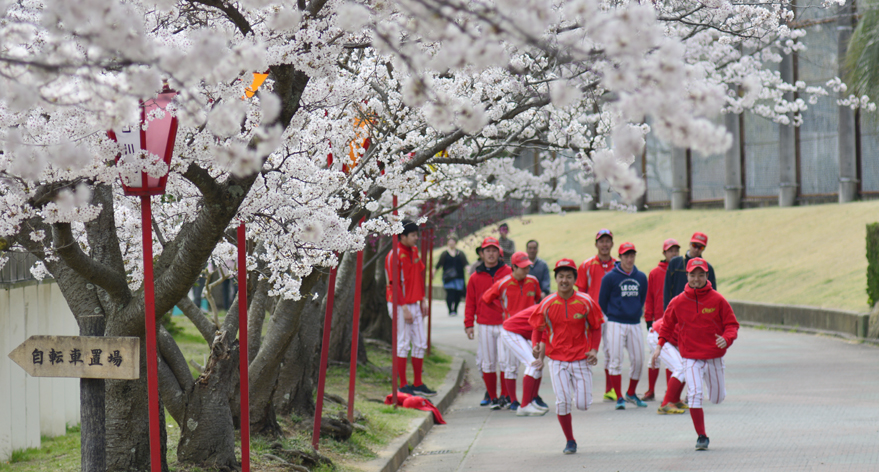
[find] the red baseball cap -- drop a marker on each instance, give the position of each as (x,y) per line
(603,232)
(520,259)
(699,238)
(669,243)
(565,264)
(697,263)
(626,247)
(490,241)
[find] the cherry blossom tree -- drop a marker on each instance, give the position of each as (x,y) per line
(447,91)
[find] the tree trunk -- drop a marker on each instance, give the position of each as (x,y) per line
(375,322)
(128,428)
(343,313)
(297,378)
(207,435)
(93,433)
(285,324)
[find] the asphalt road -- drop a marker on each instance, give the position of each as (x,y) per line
(794,402)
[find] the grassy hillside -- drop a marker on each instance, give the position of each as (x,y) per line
(813,255)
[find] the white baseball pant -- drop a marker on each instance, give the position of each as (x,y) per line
(669,354)
(628,336)
(489,336)
(518,350)
(572,383)
(710,370)
(604,344)
(410,333)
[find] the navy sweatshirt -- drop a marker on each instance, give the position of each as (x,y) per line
(622,295)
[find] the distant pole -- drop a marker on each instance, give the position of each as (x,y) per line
(355,332)
(324,354)
(430,288)
(243,360)
(395,298)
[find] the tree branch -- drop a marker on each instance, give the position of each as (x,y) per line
(90,269)
(204,326)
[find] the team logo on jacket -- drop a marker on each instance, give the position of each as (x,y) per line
(629,289)
(708,310)
(579,316)
(556,303)
(529,294)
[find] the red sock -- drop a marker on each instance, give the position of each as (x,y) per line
(608,382)
(679,388)
(698,420)
(536,392)
(527,389)
(652,375)
(565,421)
(504,391)
(401,370)
(633,384)
(674,385)
(417,369)
(667,375)
(616,384)
(490,380)
(511,389)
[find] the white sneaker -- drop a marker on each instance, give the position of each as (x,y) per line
(530,410)
(539,408)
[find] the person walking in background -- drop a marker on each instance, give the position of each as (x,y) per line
(539,268)
(411,305)
(488,317)
(589,276)
(706,327)
(472,267)
(508,246)
(622,297)
(653,307)
(454,263)
(676,275)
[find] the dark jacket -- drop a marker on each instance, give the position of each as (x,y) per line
(453,267)
(541,271)
(676,278)
(622,295)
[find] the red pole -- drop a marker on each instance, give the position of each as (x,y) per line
(243,360)
(324,353)
(355,332)
(149,301)
(430,289)
(395,297)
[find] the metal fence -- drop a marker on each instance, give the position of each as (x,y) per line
(17,268)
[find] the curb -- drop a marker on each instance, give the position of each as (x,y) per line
(392,457)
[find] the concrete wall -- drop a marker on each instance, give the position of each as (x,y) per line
(30,406)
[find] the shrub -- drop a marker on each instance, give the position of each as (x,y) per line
(873,263)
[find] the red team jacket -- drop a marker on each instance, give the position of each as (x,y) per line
(565,323)
(590,273)
(514,296)
(701,313)
(655,284)
(520,323)
(673,340)
(475,307)
(411,275)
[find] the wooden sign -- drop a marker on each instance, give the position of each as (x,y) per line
(85,357)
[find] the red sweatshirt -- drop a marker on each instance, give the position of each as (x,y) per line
(701,313)
(513,295)
(657,326)
(412,275)
(519,323)
(566,323)
(655,283)
(590,273)
(475,308)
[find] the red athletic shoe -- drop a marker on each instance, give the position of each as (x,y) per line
(648,396)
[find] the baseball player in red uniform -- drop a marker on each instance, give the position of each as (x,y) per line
(410,328)
(708,327)
(517,340)
(653,309)
(674,367)
(571,322)
(488,317)
(513,293)
(589,276)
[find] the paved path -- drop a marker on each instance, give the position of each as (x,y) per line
(794,402)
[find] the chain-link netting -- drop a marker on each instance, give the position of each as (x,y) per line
(819,137)
(658,171)
(708,173)
(761,157)
(17,267)
(869,152)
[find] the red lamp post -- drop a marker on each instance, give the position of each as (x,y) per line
(157,139)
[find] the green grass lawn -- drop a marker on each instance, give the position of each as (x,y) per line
(382,423)
(810,255)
